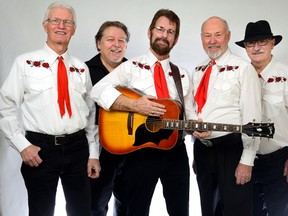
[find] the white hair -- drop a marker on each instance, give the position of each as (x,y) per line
(63,5)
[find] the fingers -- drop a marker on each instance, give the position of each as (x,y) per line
(156,109)
(243,174)
(242,180)
(203,134)
(93,168)
(30,156)
(149,108)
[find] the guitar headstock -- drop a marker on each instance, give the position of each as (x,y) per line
(266,130)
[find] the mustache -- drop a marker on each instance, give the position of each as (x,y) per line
(116,49)
(213,46)
(254,52)
(162,39)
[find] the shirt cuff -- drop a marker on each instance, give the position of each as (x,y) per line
(20,142)
(94,150)
(248,157)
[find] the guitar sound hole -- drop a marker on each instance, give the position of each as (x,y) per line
(153,123)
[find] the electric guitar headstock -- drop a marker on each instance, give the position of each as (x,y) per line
(266,130)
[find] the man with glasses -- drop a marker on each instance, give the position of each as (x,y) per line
(144,167)
(270,172)
(52,88)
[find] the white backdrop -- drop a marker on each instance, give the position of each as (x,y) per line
(21,31)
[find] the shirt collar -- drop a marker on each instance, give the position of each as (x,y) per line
(266,73)
(152,60)
(52,55)
(223,58)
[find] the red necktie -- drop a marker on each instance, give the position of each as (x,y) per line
(201,94)
(160,81)
(63,93)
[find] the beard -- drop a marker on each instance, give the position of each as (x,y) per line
(214,55)
(160,50)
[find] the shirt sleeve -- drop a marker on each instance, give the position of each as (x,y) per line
(104,92)
(250,102)
(11,96)
(91,129)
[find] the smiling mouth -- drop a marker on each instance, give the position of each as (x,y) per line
(60,32)
(115,50)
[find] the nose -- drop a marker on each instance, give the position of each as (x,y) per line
(212,40)
(61,24)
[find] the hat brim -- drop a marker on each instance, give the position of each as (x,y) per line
(277,38)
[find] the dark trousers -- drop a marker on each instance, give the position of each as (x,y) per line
(215,167)
(67,162)
(143,169)
(270,186)
(110,180)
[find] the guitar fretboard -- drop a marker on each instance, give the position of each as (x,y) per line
(200,126)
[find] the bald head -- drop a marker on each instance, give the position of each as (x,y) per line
(215,35)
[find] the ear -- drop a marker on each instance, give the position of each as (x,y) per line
(44,24)
(149,33)
(229,35)
(273,42)
(175,42)
(98,44)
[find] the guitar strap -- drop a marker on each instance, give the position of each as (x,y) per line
(178,83)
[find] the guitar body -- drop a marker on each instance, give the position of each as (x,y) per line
(124,132)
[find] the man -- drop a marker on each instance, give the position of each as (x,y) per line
(270,173)
(111,42)
(224,161)
(145,166)
(59,124)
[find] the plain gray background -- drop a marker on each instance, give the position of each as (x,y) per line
(21,31)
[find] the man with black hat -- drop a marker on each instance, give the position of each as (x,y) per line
(270,173)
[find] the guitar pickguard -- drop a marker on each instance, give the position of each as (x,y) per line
(142,136)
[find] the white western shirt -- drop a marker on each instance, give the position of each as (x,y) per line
(32,86)
(275,105)
(234,97)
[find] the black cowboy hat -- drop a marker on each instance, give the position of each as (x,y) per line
(258,31)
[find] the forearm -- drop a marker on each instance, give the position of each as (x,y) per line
(123,103)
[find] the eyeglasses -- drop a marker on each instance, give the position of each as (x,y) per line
(259,42)
(162,30)
(56,21)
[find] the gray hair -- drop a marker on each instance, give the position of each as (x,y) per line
(63,5)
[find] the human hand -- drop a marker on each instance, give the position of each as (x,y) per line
(93,168)
(286,170)
(145,106)
(201,134)
(30,156)
(243,174)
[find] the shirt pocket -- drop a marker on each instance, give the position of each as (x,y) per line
(272,104)
(39,90)
(224,92)
(78,86)
(144,85)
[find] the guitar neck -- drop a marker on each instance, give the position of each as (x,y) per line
(200,126)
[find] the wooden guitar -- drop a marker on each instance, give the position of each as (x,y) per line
(125,132)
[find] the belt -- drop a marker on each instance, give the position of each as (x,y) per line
(57,139)
(274,154)
(215,141)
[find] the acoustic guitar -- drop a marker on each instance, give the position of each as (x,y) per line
(125,132)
